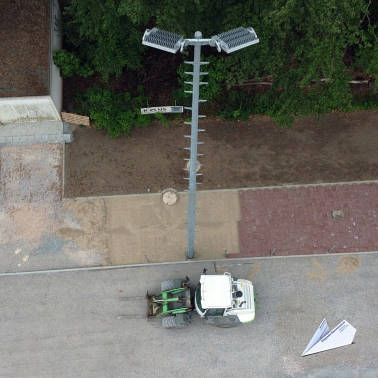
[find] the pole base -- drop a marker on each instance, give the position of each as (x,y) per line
(190,255)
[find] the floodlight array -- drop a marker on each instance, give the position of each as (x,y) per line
(162,40)
(236,39)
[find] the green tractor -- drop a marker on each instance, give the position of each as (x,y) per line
(173,304)
(220,299)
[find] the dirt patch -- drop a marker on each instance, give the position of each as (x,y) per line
(348,264)
(340,147)
(318,273)
(85,227)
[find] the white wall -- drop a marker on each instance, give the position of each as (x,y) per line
(56,82)
(27,109)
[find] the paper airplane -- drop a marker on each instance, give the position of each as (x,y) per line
(324,339)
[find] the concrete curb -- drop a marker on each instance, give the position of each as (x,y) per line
(254,188)
(239,260)
(34,132)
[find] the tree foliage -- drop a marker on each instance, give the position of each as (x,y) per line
(117,113)
(70,65)
(301,43)
(103,35)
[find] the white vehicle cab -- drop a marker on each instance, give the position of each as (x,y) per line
(221,296)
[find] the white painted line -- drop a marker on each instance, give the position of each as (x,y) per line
(64,171)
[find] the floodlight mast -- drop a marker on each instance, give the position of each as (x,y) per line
(230,41)
(193,147)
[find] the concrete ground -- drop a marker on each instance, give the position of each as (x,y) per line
(71,324)
(141,228)
(39,229)
(30,196)
(32,213)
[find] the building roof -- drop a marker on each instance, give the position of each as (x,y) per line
(24,48)
(216,291)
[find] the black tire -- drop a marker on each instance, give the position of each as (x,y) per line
(178,321)
(171,284)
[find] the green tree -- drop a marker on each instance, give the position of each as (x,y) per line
(70,64)
(103,35)
(117,113)
(307,48)
(301,44)
(367,49)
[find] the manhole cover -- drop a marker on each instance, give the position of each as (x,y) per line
(169,196)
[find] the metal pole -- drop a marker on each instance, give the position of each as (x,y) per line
(193,147)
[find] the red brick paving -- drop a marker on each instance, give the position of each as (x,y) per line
(298,220)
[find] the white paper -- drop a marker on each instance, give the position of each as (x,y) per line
(162,109)
(323,339)
(321,331)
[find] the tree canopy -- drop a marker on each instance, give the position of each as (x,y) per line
(301,43)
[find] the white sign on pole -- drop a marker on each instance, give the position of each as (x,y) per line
(324,339)
(162,109)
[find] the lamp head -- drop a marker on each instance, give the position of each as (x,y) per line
(235,39)
(162,40)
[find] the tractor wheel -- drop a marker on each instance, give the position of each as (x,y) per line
(171,284)
(178,321)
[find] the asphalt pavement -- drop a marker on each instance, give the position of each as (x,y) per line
(73,324)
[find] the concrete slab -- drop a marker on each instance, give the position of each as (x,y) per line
(34,133)
(141,228)
(31,212)
(70,324)
(38,230)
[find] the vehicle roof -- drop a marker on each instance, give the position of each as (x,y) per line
(216,291)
